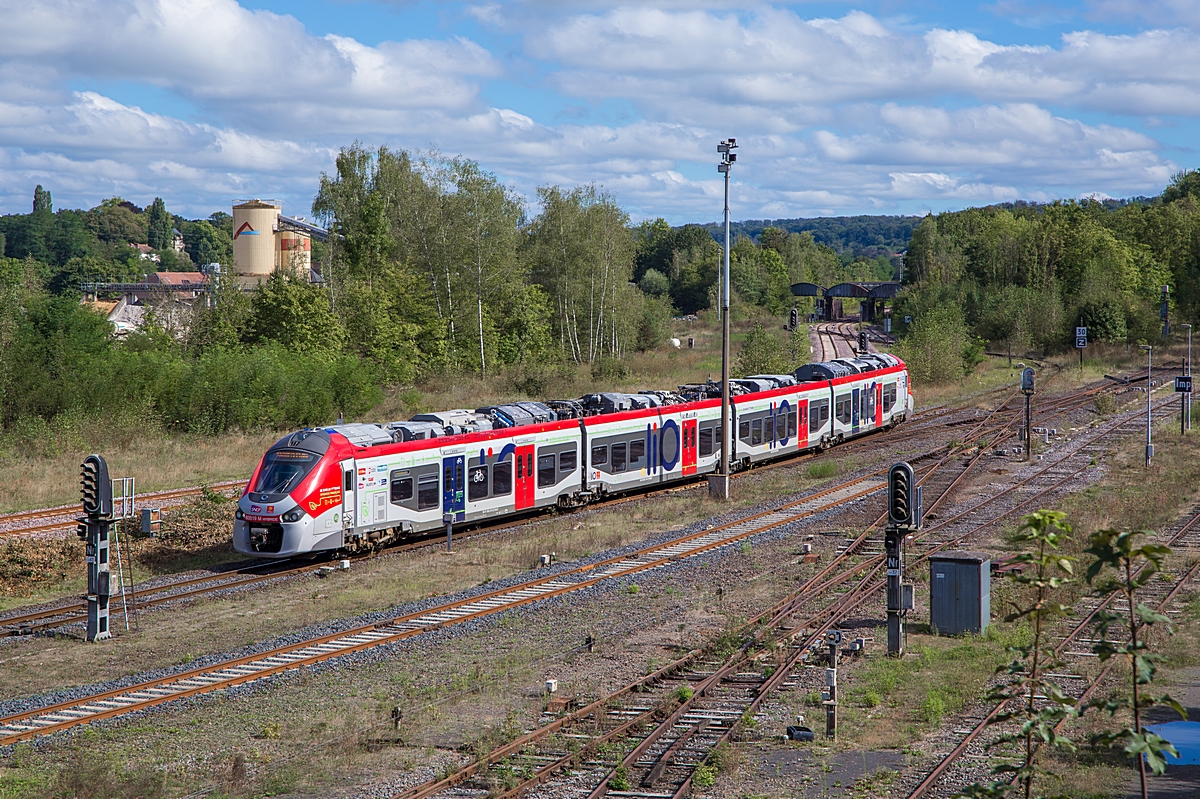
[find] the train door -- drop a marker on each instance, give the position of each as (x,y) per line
(454,487)
(349,478)
(688,453)
(525,482)
(879,404)
(856,409)
(801,423)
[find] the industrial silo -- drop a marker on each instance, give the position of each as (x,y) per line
(254,245)
(295,252)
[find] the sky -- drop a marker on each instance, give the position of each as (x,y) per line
(838,108)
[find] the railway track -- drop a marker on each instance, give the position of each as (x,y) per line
(253,573)
(967,761)
(63,517)
(118,702)
(666,740)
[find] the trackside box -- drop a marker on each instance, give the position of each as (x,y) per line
(960,590)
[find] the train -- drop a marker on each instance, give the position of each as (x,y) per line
(352,488)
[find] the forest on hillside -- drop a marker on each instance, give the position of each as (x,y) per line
(436,268)
(1023,276)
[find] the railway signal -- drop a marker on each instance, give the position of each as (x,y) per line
(904,516)
(1027,389)
(794,319)
(862,342)
(94,528)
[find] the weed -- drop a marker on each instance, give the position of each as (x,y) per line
(683,693)
(632,588)
(705,776)
(746,547)
(269,731)
(870,699)
(619,781)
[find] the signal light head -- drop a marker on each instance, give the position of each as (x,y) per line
(95,487)
(902,497)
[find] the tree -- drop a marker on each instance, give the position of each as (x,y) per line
(655,283)
(41,200)
(114,222)
(295,313)
(1026,679)
(582,251)
(1183,184)
(159,229)
(761,353)
(1124,567)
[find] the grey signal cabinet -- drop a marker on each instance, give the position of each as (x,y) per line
(960,589)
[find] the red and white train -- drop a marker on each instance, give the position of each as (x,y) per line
(354,487)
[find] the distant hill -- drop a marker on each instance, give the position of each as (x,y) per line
(867,236)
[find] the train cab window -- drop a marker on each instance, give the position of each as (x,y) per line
(744,431)
(545,472)
(349,481)
(619,462)
(566,461)
(502,479)
(889,397)
(477,483)
(427,492)
(599,455)
(843,408)
(791,433)
(637,454)
(756,432)
(706,442)
(401,489)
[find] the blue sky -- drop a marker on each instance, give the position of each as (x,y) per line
(840,108)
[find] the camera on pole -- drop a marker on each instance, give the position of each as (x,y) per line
(94,526)
(904,516)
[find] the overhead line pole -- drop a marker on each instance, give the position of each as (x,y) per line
(719,485)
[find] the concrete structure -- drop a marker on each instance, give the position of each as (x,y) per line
(265,240)
(960,592)
(254,225)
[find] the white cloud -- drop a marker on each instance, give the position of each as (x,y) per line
(846,114)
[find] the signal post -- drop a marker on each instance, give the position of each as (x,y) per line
(1027,389)
(904,517)
(93,529)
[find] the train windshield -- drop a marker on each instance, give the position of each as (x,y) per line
(283,470)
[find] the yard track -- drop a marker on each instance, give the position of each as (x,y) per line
(666,741)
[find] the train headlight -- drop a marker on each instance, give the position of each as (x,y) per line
(239,515)
(294,515)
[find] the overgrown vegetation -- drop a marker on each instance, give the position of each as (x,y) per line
(1024,275)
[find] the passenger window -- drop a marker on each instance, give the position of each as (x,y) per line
(502,479)
(402,488)
(791,433)
(477,483)
(843,408)
(706,442)
(618,457)
(769,428)
(566,461)
(427,492)
(744,431)
(599,455)
(545,473)
(637,453)
(756,432)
